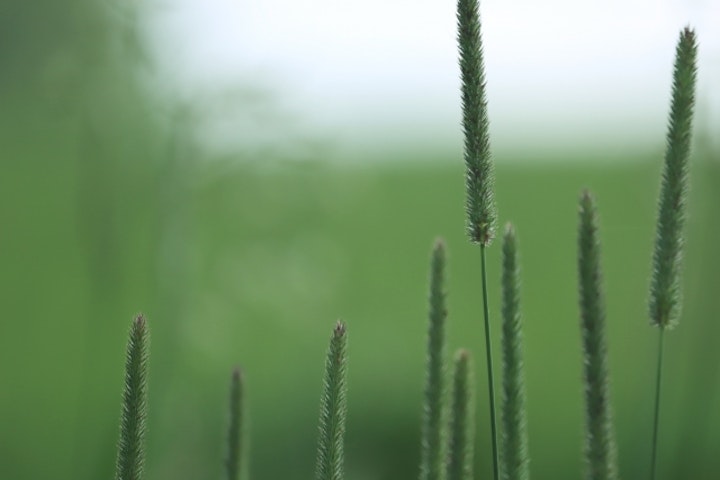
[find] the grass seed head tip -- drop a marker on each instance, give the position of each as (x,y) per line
(340,329)
(509,229)
(439,251)
(509,237)
(463,355)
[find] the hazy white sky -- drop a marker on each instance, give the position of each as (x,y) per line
(364,74)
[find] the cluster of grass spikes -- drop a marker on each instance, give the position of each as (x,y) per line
(330,458)
(665,290)
(448,421)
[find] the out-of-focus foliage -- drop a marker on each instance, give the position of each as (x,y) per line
(89,190)
(107,209)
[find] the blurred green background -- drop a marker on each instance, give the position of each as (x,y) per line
(110,207)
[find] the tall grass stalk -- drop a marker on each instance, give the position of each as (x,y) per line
(600,448)
(131,448)
(656,413)
(514,456)
(665,289)
(235,436)
(490,369)
(480,206)
(460,451)
(432,445)
(333,409)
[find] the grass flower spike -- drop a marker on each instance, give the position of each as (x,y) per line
(479,177)
(480,206)
(514,436)
(665,286)
(131,448)
(333,409)
(432,452)
(600,449)
(665,289)
(235,428)
(462,426)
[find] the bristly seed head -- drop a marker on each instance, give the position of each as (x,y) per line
(131,446)
(515,460)
(665,290)
(340,329)
(333,409)
(600,447)
(480,204)
(433,451)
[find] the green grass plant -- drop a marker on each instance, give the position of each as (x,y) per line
(514,453)
(333,409)
(665,287)
(600,447)
(235,450)
(432,453)
(480,204)
(447,450)
(461,445)
(131,447)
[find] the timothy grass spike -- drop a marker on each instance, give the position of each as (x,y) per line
(481,215)
(131,448)
(665,295)
(432,446)
(600,448)
(235,438)
(333,409)
(514,456)
(462,425)
(665,288)
(480,206)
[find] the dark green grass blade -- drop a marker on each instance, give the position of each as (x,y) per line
(462,424)
(131,448)
(432,452)
(235,450)
(330,454)
(514,439)
(600,449)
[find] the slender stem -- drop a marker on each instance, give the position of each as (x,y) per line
(656,421)
(491,381)
(233,464)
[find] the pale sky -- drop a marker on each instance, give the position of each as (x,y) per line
(365,75)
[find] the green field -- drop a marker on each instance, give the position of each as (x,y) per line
(249,265)
(111,205)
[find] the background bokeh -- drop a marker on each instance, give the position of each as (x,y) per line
(117,196)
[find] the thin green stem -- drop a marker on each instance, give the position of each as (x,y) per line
(235,439)
(656,420)
(491,380)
